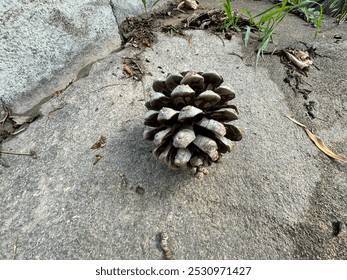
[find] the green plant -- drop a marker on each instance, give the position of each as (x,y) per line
(311,14)
(145,5)
(232,18)
(338,9)
(271,17)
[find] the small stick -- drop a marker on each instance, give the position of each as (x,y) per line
(32,153)
(236,54)
(15,248)
(138,66)
(219,38)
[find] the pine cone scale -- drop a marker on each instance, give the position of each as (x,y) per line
(207,99)
(233,132)
(189,112)
(160,136)
(182,157)
(212,125)
(183,138)
(166,114)
(223,115)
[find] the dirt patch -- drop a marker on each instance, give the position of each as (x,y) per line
(137,31)
(140,31)
(297,59)
(133,67)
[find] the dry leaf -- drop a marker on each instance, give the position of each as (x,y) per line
(301,64)
(147,42)
(100,143)
(97,158)
(319,143)
(181,5)
(128,69)
(303,55)
(189,4)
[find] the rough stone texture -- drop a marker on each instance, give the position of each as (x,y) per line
(274,197)
(43,44)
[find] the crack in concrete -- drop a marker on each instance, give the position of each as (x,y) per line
(8,125)
(35,113)
(113,8)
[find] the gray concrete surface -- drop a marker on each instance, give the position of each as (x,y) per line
(43,43)
(275,196)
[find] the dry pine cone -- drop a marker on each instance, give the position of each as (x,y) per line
(188,120)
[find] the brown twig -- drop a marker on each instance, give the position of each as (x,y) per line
(214,33)
(15,245)
(236,54)
(31,153)
(138,66)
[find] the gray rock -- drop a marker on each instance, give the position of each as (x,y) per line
(43,45)
(275,196)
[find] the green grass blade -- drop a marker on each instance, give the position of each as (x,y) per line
(343,13)
(271,15)
(319,21)
(144,3)
(248,32)
(154,3)
(248,13)
(228,9)
(268,10)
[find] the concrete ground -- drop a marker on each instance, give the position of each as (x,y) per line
(275,196)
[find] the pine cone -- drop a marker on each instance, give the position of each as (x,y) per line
(188,120)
